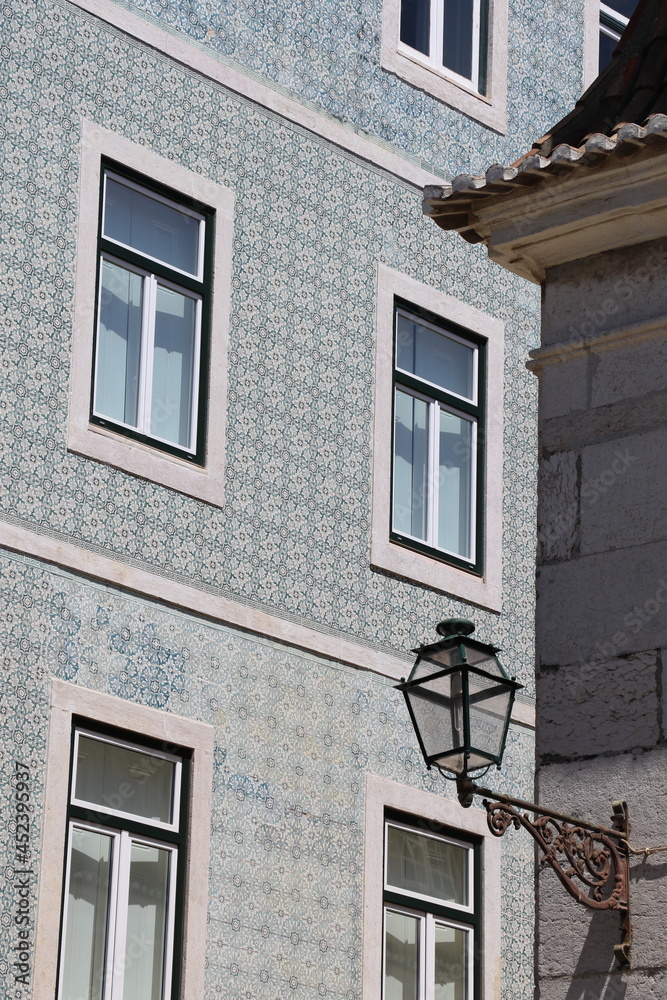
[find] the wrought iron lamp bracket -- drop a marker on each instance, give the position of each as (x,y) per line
(592,862)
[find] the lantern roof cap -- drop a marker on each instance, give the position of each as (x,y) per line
(455,626)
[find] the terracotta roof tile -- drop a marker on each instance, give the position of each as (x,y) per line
(631,89)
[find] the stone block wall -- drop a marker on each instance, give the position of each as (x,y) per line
(602,602)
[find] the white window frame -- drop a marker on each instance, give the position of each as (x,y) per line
(104,444)
(383,795)
(390,556)
(428,919)
(620,23)
(150,284)
(436,45)
(122,842)
(592,28)
(428,923)
(183,209)
(117,908)
(458,92)
(464,844)
(113,741)
(70,703)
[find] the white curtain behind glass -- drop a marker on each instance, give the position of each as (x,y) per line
(119,344)
(87,916)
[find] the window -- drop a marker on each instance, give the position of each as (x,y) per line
(152,315)
(613,20)
(449,35)
(126,822)
(429,915)
(146,773)
(437,415)
(455,50)
(437,441)
(432,872)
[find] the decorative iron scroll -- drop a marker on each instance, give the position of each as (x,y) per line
(590,864)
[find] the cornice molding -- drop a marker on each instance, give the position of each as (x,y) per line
(578,215)
(618,336)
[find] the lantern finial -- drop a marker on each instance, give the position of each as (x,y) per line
(455,626)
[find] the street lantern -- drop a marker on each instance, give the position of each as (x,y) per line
(460,700)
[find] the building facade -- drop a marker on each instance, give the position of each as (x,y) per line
(259,434)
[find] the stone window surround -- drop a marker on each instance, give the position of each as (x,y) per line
(488,109)
(383,794)
(69,700)
(104,444)
(392,557)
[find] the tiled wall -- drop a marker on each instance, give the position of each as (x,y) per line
(294,738)
(311,224)
(329,53)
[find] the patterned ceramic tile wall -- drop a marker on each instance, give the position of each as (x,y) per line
(329,53)
(294,738)
(295,734)
(311,224)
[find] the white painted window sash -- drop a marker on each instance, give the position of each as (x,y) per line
(449,335)
(427,923)
(158,754)
(109,951)
(117,965)
(118,906)
(472,511)
(470,866)
(146,354)
(621,20)
(433,478)
(183,209)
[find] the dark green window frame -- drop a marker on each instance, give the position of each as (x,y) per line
(99,817)
(475,411)
(404,901)
(201,288)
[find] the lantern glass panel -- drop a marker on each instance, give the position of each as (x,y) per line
(490,704)
(484,659)
(437,706)
(433,659)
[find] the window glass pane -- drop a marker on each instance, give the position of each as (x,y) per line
(410,465)
(416,24)
(624,7)
(118,350)
(608,43)
(451,963)
(173,366)
(401,944)
(151,227)
(457,39)
(148,901)
(87,916)
(427,865)
(456,462)
(126,780)
(435,357)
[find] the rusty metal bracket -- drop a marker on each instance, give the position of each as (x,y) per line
(592,862)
